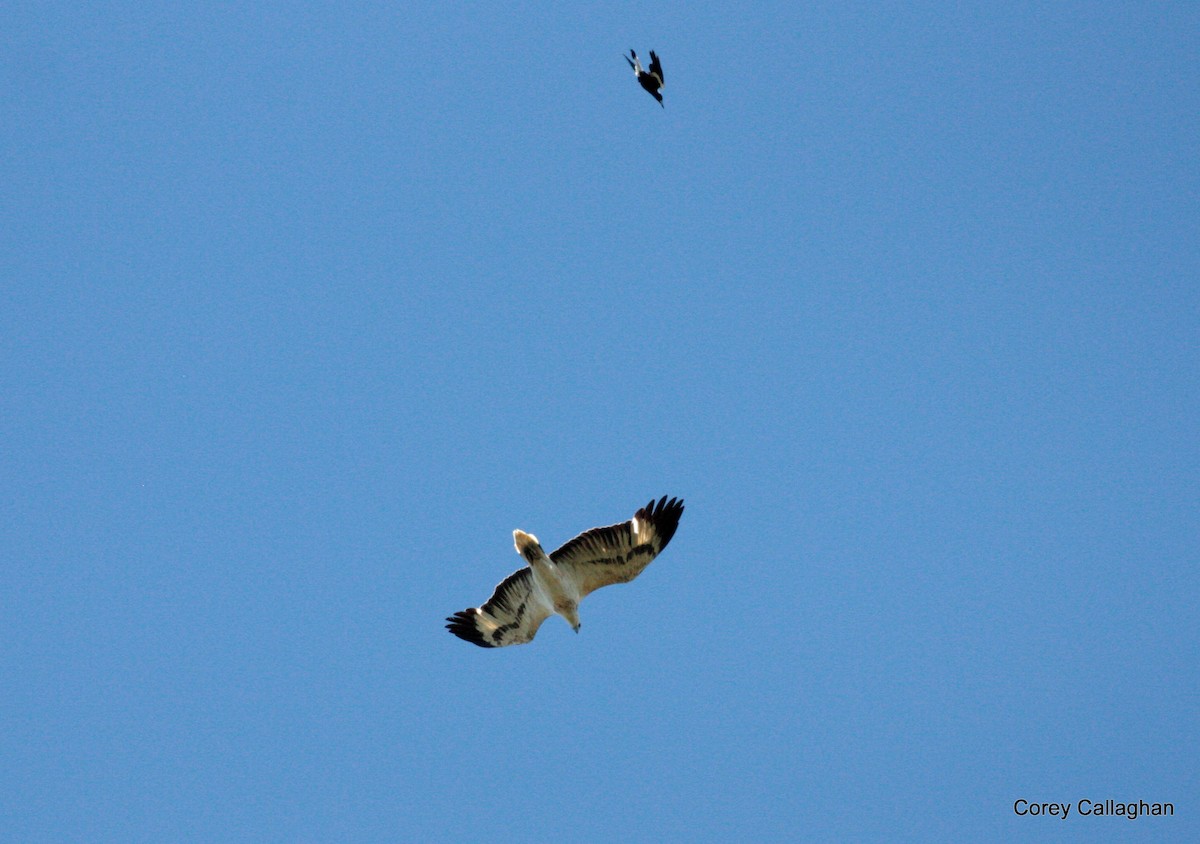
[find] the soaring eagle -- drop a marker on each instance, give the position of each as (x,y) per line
(558,582)
(652,81)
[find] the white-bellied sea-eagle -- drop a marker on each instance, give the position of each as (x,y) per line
(651,80)
(558,582)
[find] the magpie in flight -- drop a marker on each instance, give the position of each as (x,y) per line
(652,81)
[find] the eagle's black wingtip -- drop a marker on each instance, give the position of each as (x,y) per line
(462,624)
(664,515)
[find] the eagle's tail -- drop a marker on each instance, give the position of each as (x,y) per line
(527,545)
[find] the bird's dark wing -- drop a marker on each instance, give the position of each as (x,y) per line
(656,67)
(511,616)
(618,553)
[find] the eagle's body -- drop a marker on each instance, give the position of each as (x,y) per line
(651,80)
(557,582)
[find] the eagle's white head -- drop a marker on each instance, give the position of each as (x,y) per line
(571,613)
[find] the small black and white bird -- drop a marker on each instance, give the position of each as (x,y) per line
(652,81)
(557,582)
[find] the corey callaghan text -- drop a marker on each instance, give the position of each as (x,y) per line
(1093,809)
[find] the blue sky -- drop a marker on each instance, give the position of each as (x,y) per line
(307,307)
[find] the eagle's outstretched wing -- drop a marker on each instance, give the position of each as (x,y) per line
(618,553)
(511,616)
(656,70)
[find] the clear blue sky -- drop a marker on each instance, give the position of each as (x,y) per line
(306,307)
